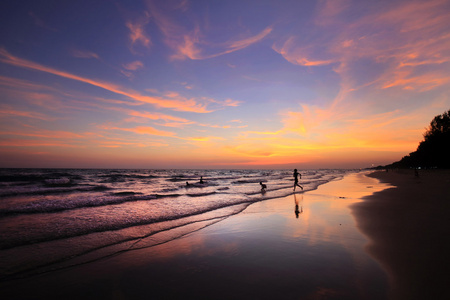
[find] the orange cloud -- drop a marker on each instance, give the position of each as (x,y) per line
(147,130)
(250,150)
(422,83)
(5,111)
(170,121)
(180,103)
(45,134)
(158,116)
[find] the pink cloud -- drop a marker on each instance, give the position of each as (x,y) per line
(84,54)
(178,103)
(408,41)
(298,54)
(8,111)
(42,133)
(192,43)
(133,66)
(147,130)
(189,45)
(137,32)
(36,143)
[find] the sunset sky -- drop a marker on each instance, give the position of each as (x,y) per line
(219,84)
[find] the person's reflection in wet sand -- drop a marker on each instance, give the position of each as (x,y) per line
(297,211)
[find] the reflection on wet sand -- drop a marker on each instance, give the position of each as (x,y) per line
(297,211)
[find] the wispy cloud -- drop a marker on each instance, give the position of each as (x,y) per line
(385,52)
(176,103)
(40,22)
(298,54)
(147,130)
(138,35)
(16,83)
(6,110)
(192,43)
(402,37)
(133,66)
(84,54)
(36,143)
(42,133)
(169,121)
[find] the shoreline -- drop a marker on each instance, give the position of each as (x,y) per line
(408,229)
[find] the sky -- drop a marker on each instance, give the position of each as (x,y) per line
(219,84)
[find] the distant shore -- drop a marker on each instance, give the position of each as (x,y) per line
(408,226)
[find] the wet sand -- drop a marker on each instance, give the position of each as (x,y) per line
(409,230)
(304,246)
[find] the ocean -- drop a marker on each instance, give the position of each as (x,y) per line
(51,219)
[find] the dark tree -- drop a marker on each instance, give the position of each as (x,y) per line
(440,125)
(434,150)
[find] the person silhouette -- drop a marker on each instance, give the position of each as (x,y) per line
(201,180)
(296,174)
(263,186)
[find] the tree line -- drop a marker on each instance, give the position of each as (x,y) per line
(434,150)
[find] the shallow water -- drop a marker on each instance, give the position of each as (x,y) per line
(56,218)
(270,251)
(301,246)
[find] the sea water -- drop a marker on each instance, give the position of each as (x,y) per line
(57,218)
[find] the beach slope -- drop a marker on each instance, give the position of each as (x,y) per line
(408,226)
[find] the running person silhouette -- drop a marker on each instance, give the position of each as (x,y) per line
(296,179)
(263,186)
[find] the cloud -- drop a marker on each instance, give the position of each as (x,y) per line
(43,133)
(176,103)
(384,56)
(39,22)
(192,43)
(189,45)
(133,66)
(9,111)
(339,130)
(293,52)
(20,84)
(402,38)
(36,143)
(244,43)
(170,121)
(137,35)
(146,130)
(250,151)
(84,54)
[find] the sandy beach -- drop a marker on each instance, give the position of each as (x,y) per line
(409,227)
(337,242)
